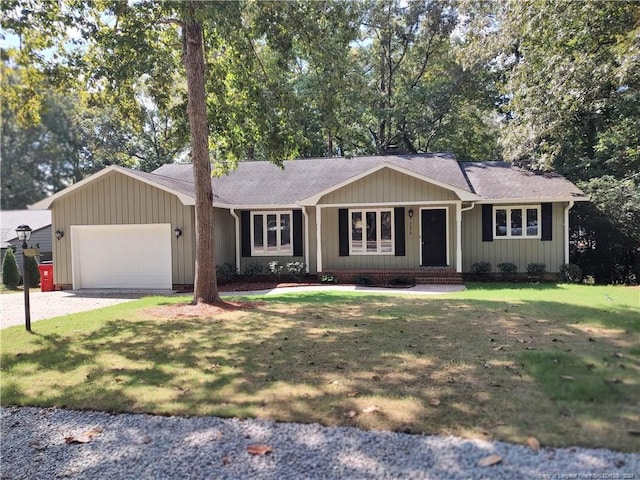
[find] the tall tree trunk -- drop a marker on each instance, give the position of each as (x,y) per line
(205,286)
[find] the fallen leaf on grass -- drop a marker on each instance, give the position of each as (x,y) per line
(520,340)
(490,460)
(259,449)
(533,443)
(371,409)
(435,402)
(351,413)
(567,377)
(85,437)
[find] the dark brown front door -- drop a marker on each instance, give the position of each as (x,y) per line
(434,237)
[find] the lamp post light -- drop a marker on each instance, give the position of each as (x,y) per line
(24,234)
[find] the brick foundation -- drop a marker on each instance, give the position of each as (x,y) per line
(422,276)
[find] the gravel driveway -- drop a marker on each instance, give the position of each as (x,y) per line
(54,304)
(155,447)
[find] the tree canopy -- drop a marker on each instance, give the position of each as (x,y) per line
(546,84)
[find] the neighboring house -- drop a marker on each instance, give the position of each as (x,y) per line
(40,223)
(423,215)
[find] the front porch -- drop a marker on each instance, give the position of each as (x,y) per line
(421,276)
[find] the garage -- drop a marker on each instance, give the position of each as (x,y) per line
(121,256)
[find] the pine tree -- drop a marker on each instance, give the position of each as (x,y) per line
(10,273)
(33,272)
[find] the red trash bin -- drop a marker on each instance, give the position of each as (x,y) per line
(46,278)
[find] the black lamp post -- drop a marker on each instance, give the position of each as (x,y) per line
(24,234)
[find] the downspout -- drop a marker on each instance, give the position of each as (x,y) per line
(306,238)
(566,230)
(237,219)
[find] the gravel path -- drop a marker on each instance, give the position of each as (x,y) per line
(153,447)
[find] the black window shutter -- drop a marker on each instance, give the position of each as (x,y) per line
(547,222)
(245,233)
(343,232)
(487,223)
(398,214)
(297,233)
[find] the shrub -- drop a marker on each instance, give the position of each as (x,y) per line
(275,268)
(10,272)
(507,267)
(33,272)
(295,269)
(571,272)
(401,281)
(225,272)
(363,280)
(481,268)
(536,268)
(254,269)
(329,279)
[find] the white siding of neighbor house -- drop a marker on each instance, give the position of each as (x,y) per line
(119,199)
(518,251)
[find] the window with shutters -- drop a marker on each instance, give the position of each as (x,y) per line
(516,222)
(271,233)
(371,232)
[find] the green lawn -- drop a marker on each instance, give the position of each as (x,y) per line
(557,362)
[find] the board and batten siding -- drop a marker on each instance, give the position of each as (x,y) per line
(118,199)
(518,251)
(246,263)
(331,259)
(225,236)
(387,185)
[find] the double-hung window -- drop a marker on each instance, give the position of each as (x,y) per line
(271,233)
(516,222)
(371,232)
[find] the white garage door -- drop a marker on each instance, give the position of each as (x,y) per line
(121,256)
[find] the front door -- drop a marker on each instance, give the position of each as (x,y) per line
(434,237)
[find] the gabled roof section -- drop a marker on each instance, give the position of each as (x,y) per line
(500,181)
(182,190)
(463,193)
(304,181)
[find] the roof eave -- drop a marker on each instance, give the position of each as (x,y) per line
(579,198)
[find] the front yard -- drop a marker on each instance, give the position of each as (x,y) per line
(560,363)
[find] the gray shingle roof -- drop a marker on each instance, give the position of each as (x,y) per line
(262,183)
(502,181)
(10,219)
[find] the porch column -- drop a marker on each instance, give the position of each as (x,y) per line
(237,226)
(306,238)
(459,237)
(319,238)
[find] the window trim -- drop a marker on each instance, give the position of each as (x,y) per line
(378,212)
(263,251)
(524,209)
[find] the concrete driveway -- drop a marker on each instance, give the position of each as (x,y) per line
(54,304)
